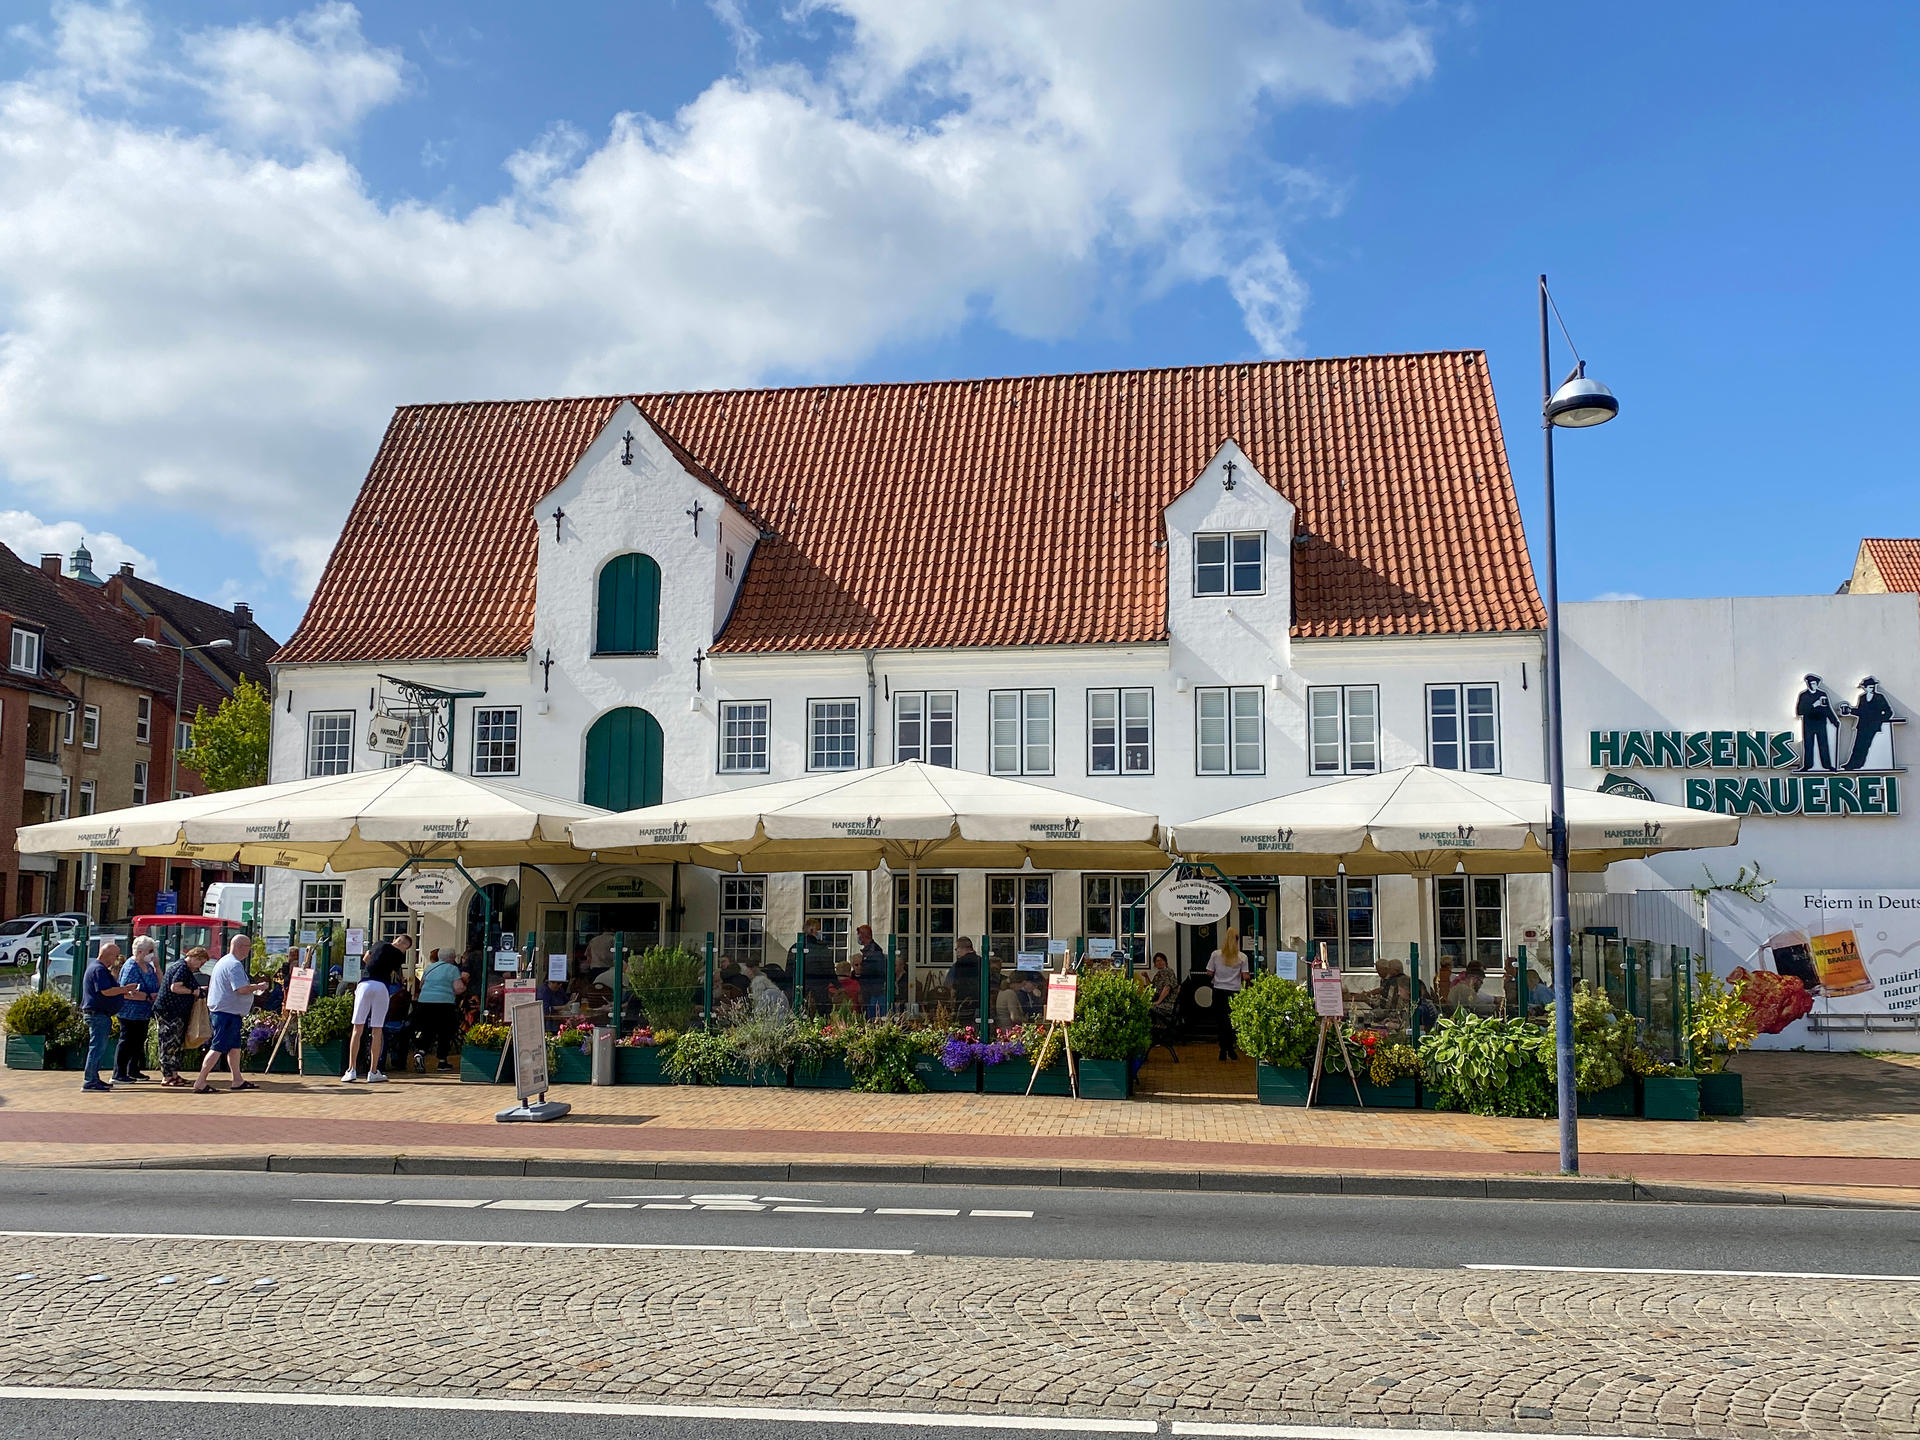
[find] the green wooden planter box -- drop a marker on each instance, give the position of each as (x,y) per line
(760,1075)
(1402,1094)
(1615,1100)
(1280,1086)
(322,1060)
(1670,1097)
(575,1067)
(477,1066)
(830,1075)
(1722,1094)
(639,1065)
(1010,1077)
(1106,1079)
(938,1078)
(32,1052)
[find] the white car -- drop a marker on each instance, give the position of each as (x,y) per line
(20,939)
(60,959)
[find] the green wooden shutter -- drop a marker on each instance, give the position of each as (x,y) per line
(624,756)
(628,622)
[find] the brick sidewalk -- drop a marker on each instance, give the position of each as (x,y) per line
(46,1120)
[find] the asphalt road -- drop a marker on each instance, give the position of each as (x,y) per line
(988,1221)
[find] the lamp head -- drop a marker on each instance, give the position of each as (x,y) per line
(218,645)
(143,640)
(1581,402)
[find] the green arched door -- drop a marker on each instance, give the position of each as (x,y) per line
(623,760)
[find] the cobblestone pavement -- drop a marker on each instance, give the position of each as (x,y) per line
(1561,1353)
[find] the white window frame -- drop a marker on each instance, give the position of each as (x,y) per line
(323,899)
(1229,563)
(849,716)
(89,798)
(24,651)
(139,782)
(751,745)
(331,764)
(1464,745)
(925,707)
(1004,944)
(1341,746)
(1469,947)
(503,756)
(829,900)
(67,722)
(90,727)
(1243,720)
(743,918)
(1019,710)
(143,720)
(183,735)
(1128,757)
(66,796)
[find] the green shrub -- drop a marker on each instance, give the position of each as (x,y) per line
(665,981)
(764,1039)
(328,1019)
(1720,1025)
(1112,1017)
(1489,1066)
(699,1057)
(1274,1022)
(880,1053)
(42,1012)
(1601,1041)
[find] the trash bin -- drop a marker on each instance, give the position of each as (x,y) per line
(603,1055)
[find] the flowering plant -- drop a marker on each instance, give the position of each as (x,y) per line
(643,1036)
(574,1033)
(263,1028)
(964,1047)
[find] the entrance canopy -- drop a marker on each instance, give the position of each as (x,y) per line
(1426,821)
(349,822)
(906,814)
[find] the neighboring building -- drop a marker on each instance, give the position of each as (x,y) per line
(112,738)
(1178,590)
(187,621)
(1885,567)
(33,706)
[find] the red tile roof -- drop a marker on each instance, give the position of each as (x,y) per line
(1018,511)
(1898,562)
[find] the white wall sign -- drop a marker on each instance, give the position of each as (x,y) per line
(1194,902)
(429,890)
(387,734)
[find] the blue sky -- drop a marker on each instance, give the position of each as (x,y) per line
(242,233)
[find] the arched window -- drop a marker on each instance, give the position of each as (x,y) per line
(627,620)
(623,761)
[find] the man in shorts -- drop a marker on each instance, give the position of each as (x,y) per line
(371,998)
(230,995)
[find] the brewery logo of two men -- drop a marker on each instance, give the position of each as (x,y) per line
(1820,720)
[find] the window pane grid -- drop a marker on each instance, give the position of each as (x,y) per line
(1230,724)
(743,918)
(329,742)
(743,735)
(496,741)
(834,741)
(1020,732)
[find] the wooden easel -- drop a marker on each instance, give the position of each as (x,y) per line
(1062,995)
(1330,1003)
(299,993)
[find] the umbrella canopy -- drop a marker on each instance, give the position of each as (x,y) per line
(1425,821)
(349,822)
(906,814)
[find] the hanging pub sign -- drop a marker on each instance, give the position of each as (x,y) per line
(1840,762)
(387,734)
(1194,902)
(429,890)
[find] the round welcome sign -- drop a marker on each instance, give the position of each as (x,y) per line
(1195,902)
(429,890)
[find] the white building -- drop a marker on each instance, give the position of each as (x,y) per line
(1178,590)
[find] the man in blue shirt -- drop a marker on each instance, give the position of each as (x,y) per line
(229,997)
(100,997)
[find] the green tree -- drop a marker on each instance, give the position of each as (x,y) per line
(229,747)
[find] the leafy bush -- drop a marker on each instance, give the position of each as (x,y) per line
(1489,1066)
(1112,1016)
(764,1040)
(328,1019)
(574,1033)
(488,1035)
(665,981)
(1392,1060)
(699,1057)
(817,1043)
(881,1053)
(1722,1023)
(41,1012)
(1602,1041)
(1274,1021)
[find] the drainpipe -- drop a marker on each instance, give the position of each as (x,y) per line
(873,719)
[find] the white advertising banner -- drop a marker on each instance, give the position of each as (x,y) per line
(1857,951)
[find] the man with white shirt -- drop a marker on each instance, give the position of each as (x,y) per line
(230,992)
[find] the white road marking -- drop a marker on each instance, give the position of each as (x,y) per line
(122,1236)
(609,1205)
(1352,1432)
(649,1197)
(907,1210)
(918,1418)
(735,1205)
(823,1209)
(1003,1214)
(786,1200)
(1730,1274)
(658,1205)
(706,1198)
(445,1204)
(301,1200)
(549,1205)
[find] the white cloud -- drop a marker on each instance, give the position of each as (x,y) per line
(210,319)
(1610,596)
(30,537)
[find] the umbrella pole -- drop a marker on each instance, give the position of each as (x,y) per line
(913,914)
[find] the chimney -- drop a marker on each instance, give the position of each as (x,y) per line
(52,565)
(150,626)
(242,612)
(243,630)
(115,587)
(126,568)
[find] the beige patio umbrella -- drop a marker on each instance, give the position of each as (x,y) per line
(350,822)
(905,815)
(1421,821)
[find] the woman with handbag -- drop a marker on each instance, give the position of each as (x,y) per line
(180,1007)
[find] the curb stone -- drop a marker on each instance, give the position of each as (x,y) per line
(1544,1187)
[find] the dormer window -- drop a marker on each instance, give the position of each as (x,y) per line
(729,565)
(1234,563)
(23,657)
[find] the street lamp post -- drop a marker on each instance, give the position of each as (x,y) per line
(1576,405)
(179,698)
